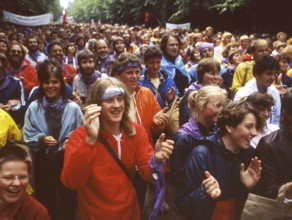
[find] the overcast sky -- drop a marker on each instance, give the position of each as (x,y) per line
(64,3)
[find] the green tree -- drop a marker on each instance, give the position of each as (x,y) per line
(32,7)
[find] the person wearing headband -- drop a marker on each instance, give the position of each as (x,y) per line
(103,188)
(144,109)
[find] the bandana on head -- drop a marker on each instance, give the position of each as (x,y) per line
(128,66)
(206,45)
(111,92)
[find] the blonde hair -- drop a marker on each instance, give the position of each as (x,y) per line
(202,96)
(96,92)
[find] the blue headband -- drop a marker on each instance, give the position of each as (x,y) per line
(128,66)
(206,45)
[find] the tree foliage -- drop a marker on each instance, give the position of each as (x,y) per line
(32,7)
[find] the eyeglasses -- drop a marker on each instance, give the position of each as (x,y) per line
(16,51)
(11,179)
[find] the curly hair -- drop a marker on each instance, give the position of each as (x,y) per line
(124,59)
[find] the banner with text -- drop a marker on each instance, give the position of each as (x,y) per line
(185,26)
(27,20)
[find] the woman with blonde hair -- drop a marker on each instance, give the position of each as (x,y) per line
(205,104)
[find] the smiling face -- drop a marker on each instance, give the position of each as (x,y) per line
(130,77)
(210,112)
(52,88)
(242,134)
(112,110)
(102,49)
(57,52)
(119,47)
(16,55)
(14,178)
(153,66)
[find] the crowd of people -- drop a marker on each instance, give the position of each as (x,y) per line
(105,111)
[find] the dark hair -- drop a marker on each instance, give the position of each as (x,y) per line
(31,37)
(21,47)
(53,43)
(265,63)
(283,56)
(286,111)
(48,68)
(54,32)
(122,60)
(206,65)
(117,39)
(3,59)
(260,100)
(165,39)
(234,113)
(190,52)
(67,48)
(6,42)
(84,55)
(15,152)
(152,52)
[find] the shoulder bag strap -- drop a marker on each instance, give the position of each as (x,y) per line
(112,153)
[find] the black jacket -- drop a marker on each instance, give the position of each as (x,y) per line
(191,199)
(275,152)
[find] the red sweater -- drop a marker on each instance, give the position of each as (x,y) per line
(27,208)
(104,191)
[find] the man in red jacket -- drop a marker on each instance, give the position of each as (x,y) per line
(21,68)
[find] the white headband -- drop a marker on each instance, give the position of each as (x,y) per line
(111,92)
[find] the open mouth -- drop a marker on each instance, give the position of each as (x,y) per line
(14,191)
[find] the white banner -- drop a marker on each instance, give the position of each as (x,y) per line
(69,20)
(27,20)
(185,26)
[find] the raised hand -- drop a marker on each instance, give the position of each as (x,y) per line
(211,186)
(170,94)
(160,117)
(163,149)
(76,98)
(91,122)
(252,175)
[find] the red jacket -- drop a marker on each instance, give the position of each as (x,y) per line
(27,74)
(27,208)
(68,73)
(103,189)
